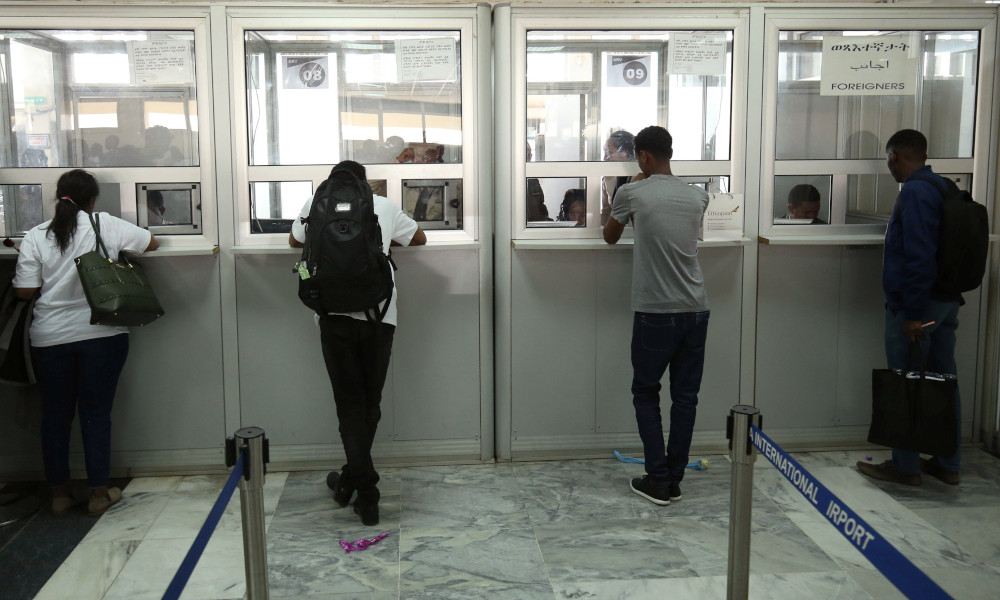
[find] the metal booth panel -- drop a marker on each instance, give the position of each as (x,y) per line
(798,306)
(170,393)
(284,387)
(553,337)
(435,368)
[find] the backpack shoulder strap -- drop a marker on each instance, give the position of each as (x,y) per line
(944,191)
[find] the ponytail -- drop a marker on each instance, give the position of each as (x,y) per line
(74,192)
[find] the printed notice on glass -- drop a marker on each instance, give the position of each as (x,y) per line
(305,72)
(884,65)
(697,54)
(723,220)
(431,59)
(160,61)
(628,70)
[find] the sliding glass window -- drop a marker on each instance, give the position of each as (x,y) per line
(587,93)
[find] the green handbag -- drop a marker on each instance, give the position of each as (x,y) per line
(118,291)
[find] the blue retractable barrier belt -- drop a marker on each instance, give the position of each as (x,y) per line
(180,579)
(898,569)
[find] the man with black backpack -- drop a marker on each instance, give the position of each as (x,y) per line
(345,276)
(919,280)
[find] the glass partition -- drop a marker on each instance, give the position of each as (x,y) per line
(98,98)
(811,125)
(20,208)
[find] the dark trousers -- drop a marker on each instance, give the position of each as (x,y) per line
(79,376)
(677,341)
(357,359)
(937,352)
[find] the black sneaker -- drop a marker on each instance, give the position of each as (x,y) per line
(675,492)
(341,491)
(648,489)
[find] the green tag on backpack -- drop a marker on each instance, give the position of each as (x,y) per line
(301,268)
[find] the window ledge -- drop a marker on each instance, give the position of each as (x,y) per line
(823,240)
(279,249)
(600,244)
(182,251)
(206,250)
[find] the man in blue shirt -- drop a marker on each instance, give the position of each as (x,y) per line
(916,310)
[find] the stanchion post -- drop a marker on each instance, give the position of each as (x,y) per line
(251,440)
(742,454)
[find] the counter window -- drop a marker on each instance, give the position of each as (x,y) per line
(556,202)
(169,207)
(589,92)
(375,97)
(802,200)
(434,203)
(100,98)
(275,204)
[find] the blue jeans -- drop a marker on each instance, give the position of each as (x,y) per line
(937,351)
(676,340)
(79,376)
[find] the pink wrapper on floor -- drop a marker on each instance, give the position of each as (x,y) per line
(362,543)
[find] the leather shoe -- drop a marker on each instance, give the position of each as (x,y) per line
(887,472)
(932,468)
(342,491)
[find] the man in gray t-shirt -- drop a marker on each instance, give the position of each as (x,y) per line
(671,309)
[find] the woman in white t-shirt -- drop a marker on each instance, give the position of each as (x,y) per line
(77,364)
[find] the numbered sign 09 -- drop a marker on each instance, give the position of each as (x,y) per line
(305,72)
(628,70)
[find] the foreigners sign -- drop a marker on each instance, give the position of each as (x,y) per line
(869,66)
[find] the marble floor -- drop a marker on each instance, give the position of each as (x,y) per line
(544,530)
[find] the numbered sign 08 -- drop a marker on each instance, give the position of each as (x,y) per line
(628,70)
(305,72)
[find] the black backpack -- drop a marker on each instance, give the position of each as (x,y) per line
(347,269)
(964,245)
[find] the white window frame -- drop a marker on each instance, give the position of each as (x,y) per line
(164,19)
(735,20)
(874,19)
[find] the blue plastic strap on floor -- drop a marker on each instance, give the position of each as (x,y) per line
(698,465)
(898,569)
(190,561)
